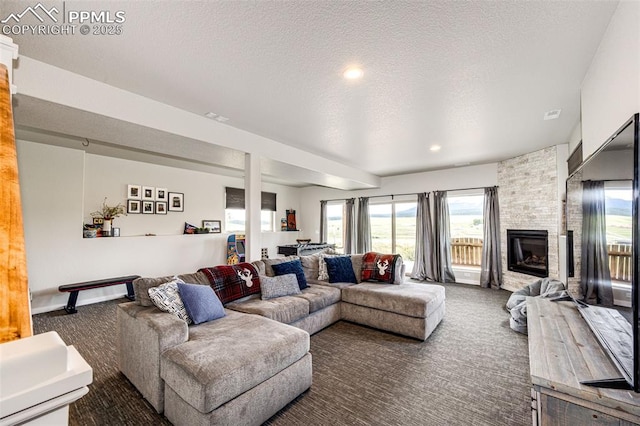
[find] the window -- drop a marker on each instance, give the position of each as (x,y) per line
(381,227)
(618,219)
(235,218)
(393,229)
(465,224)
(335,224)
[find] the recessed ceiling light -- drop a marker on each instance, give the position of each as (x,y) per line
(552,115)
(222,119)
(211,115)
(353,73)
(435,148)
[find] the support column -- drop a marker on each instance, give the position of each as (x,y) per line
(253,204)
(15,309)
(8,53)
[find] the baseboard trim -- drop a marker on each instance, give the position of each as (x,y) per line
(51,308)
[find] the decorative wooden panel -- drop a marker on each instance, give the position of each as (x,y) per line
(15,316)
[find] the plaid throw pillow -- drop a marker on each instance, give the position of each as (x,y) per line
(232,282)
(379,267)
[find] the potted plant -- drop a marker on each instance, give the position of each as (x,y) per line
(107,214)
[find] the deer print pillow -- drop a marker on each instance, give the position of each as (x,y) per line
(233,282)
(379,267)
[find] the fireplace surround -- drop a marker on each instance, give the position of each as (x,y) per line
(528,251)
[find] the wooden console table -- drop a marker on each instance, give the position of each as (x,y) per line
(563,352)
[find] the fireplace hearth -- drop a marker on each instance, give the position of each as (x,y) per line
(528,252)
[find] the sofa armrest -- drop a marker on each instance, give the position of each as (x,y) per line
(143,333)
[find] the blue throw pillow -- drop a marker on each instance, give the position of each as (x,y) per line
(293,267)
(201,302)
(340,270)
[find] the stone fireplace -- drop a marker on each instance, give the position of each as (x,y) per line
(532,188)
(528,252)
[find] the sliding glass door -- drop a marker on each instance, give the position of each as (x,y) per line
(335,224)
(393,229)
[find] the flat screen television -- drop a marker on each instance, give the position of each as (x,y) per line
(601,217)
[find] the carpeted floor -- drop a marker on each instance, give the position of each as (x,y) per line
(473,370)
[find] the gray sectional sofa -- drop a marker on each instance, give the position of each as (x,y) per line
(246,366)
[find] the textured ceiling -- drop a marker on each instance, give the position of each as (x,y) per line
(473,77)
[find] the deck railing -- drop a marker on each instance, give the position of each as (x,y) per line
(466,251)
(620,261)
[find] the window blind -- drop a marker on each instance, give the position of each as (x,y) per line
(235,199)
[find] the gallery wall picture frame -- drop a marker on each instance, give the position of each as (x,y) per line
(148,193)
(148,207)
(161,207)
(215,226)
(134,192)
(134,206)
(176,202)
(162,194)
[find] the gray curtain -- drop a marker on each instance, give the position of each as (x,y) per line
(423,266)
(491,270)
(323,221)
(363,233)
(442,239)
(350,226)
(595,275)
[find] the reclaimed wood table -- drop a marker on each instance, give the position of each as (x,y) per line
(563,352)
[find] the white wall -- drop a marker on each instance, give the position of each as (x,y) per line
(611,88)
(61,186)
(458,178)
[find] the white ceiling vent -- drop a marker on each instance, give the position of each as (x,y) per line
(552,115)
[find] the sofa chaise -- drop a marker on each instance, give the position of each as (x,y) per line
(246,366)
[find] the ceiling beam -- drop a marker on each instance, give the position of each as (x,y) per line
(52,84)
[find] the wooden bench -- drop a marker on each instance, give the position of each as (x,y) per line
(74,289)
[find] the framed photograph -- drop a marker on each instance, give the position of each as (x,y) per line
(148,193)
(134,206)
(148,207)
(176,202)
(162,194)
(215,226)
(161,207)
(134,192)
(115,232)
(98,221)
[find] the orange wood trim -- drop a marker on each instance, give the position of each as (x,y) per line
(15,313)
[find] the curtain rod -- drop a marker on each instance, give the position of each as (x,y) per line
(607,180)
(374,196)
(470,189)
(412,193)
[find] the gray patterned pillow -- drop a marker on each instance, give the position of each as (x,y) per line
(167,299)
(282,285)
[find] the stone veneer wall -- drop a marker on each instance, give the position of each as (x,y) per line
(529,199)
(574,208)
